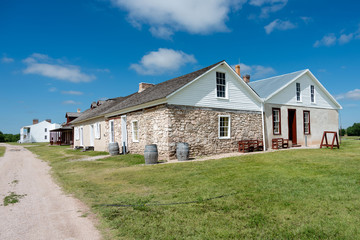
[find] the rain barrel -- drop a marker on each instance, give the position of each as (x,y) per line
(114,148)
(151,154)
(182,151)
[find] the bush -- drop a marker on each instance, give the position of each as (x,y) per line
(342,132)
(354,130)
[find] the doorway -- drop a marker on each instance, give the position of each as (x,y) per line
(81,137)
(292,125)
(123,134)
(92,135)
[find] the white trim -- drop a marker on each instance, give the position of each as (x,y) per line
(132,131)
(226,87)
(313,102)
(98,130)
(263,126)
(229,128)
(300,95)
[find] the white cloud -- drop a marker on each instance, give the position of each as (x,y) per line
(7,59)
(43,65)
(161,61)
(268,6)
(256,71)
(345,38)
(327,40)
(165,17)
(72,92)
(53,89)
(279,25)
(353,95)
(306,19)
(71,102)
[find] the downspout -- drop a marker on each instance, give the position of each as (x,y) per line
(263,125)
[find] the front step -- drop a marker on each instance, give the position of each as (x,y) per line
(296,145)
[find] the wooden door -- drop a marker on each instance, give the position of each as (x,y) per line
(292,125)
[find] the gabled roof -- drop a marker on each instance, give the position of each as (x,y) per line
(266,88)
(159,91)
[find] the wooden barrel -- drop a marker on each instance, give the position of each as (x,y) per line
(114,148)
(182,151)
(151,154)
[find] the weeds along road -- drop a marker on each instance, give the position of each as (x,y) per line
(41,210)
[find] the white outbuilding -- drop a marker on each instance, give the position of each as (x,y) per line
(37,132)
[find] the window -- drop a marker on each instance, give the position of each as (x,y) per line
(312,93)
(298,96)
(220,85)
(306,122)
(112,134)
(135,131)
(97,130)
(45,137)
(276,121)
(77,135)
(45,129)
(224,126)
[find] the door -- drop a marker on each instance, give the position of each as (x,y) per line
(292,125)
(81,137)
(123,134)
(92,135)
(112,134)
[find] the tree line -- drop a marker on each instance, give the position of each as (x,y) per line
(9,137)
(354,130)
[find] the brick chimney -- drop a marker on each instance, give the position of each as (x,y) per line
(35,121)
(246,78)
(78,110)
(143,86)
(48,120)
(237,69)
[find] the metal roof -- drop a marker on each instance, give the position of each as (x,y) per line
(266,87)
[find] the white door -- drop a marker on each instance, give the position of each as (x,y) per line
(112,135)
(92,135)
(81,137)
(123,133)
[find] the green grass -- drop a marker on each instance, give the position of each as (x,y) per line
(297,194)
(12,198)
(2,151)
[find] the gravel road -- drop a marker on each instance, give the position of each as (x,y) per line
(43,211)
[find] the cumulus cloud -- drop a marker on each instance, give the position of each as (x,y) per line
(43,65)
(331,39)
(280,25)
(5,59)
(352,95)
(71,102)
(72,92)
(268,6)
(166,17)
(256,71)
(327,40)
(162,61)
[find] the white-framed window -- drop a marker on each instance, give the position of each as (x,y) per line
(97,130)
(45,129)
(312,93)
(77,135)
(224,126)
(135,130)
(306,122)
(298,92)
(112,131)
(276,121)
(220,85)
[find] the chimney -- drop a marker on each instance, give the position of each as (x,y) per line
(237,69)
(247,78)
(143,86)
(35,121)
(48,120)
(78,110)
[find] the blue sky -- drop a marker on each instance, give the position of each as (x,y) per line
(57,56)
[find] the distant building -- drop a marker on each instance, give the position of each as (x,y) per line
(37,132)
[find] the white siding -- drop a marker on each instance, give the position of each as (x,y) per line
(202,93)
(288,95)
(37,131)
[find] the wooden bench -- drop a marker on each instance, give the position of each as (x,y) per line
(250,145)
(278,143)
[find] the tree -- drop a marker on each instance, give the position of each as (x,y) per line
(342,132)
(2,139)
(354,130)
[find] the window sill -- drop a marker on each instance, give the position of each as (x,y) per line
(277,134)
(221,98)
(135,141)
(224,137)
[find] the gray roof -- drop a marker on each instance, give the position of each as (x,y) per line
(153,93)
(266,87)
(72,114)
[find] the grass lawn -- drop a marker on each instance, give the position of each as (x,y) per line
(301,194)
(2,151)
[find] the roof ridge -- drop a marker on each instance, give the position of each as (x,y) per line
(279,76)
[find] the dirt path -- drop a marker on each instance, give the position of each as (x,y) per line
(43,211)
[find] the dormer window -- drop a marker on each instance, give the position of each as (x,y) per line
(220,85)
(298,92)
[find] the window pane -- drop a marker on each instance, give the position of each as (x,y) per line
(224,127)
(220,84)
